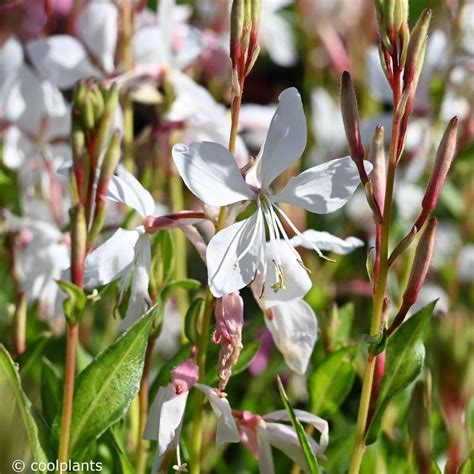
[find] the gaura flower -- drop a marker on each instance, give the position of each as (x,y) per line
(167,413)
(236,254)
(260,433)
(291,320)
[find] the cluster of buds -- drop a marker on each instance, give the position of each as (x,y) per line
(95,153)
(229,314)
(244,48)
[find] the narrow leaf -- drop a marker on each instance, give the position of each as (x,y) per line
(33,352)
(405,356)
(50,391)
(331,382)
(191,319)
(10,388)
(302,436)
(107,386)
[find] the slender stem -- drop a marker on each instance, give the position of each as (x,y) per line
(359,444)
(126,100)
(203,342)
(69,375)
(142,445)
(19,341)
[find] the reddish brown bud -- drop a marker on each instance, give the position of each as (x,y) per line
(421,263)
(444,158)
(236,27)
(350,116)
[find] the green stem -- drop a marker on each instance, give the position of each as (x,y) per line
(359,444)
(127,104)
(69,375)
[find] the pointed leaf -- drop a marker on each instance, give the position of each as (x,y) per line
(33,352)
(191,319)
(405,356)
(107,386)
(50,391)
(331,382)
(302,436)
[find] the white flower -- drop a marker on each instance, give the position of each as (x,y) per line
(237,253)
(291,321)
(127,253)
(259,434)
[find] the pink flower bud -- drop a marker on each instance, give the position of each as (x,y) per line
(443,161)
(350,116)
(229,319)
(184,376)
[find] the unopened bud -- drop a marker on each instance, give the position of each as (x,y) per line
(229,314)
(444,158)
(350,116)
(421,263)
(400,14)
(416,48)
(184,376)
(403,245)
(236,28)
(78,243)
(389,17)
(377,158)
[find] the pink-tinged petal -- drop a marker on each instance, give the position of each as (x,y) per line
(226,427)
(97,27)
(110,260)
(232,255)
(323,188)
(150,46)
(126,189)
(286,138)
(319,423)
(189,48)
(185,375)
(139,301)
(265,456)
(325,241)
(294,328)
(285,439)
(211,173)
(165,419)
(297,283)
(62,59)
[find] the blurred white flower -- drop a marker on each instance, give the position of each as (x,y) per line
(237,253)
(465,266)
(260,433)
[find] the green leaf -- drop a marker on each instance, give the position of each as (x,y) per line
(186,284)
(107,386)
(191,319)
(332,381)
(33,352)
(75,302)
(50,391)
(435,469)
(404,360)
(468,465)
(10,388)
(302,436)
(245,358)
(167,248)
(341,325)
(120,451)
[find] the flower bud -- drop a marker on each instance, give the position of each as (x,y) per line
(184,376)
(421,263)
(416,48)
(229,314)
(350,116)
(403,245)
(444,158)
(236,27)
(78,243)
(400,14)
(377,158)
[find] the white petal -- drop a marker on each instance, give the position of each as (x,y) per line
(139,301)
(11,58)
(109,261)
(277,37)
(319,423)
(97,27)
(327,242)
(226,428)
(298,282)
(190,47)
(323,188)
(285,439)
(225,273)
(125,188)
(286,138)
(265,456)
(17,148)
(150,46)
(63,70)
(294,329)
(465,264)
(211,173)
